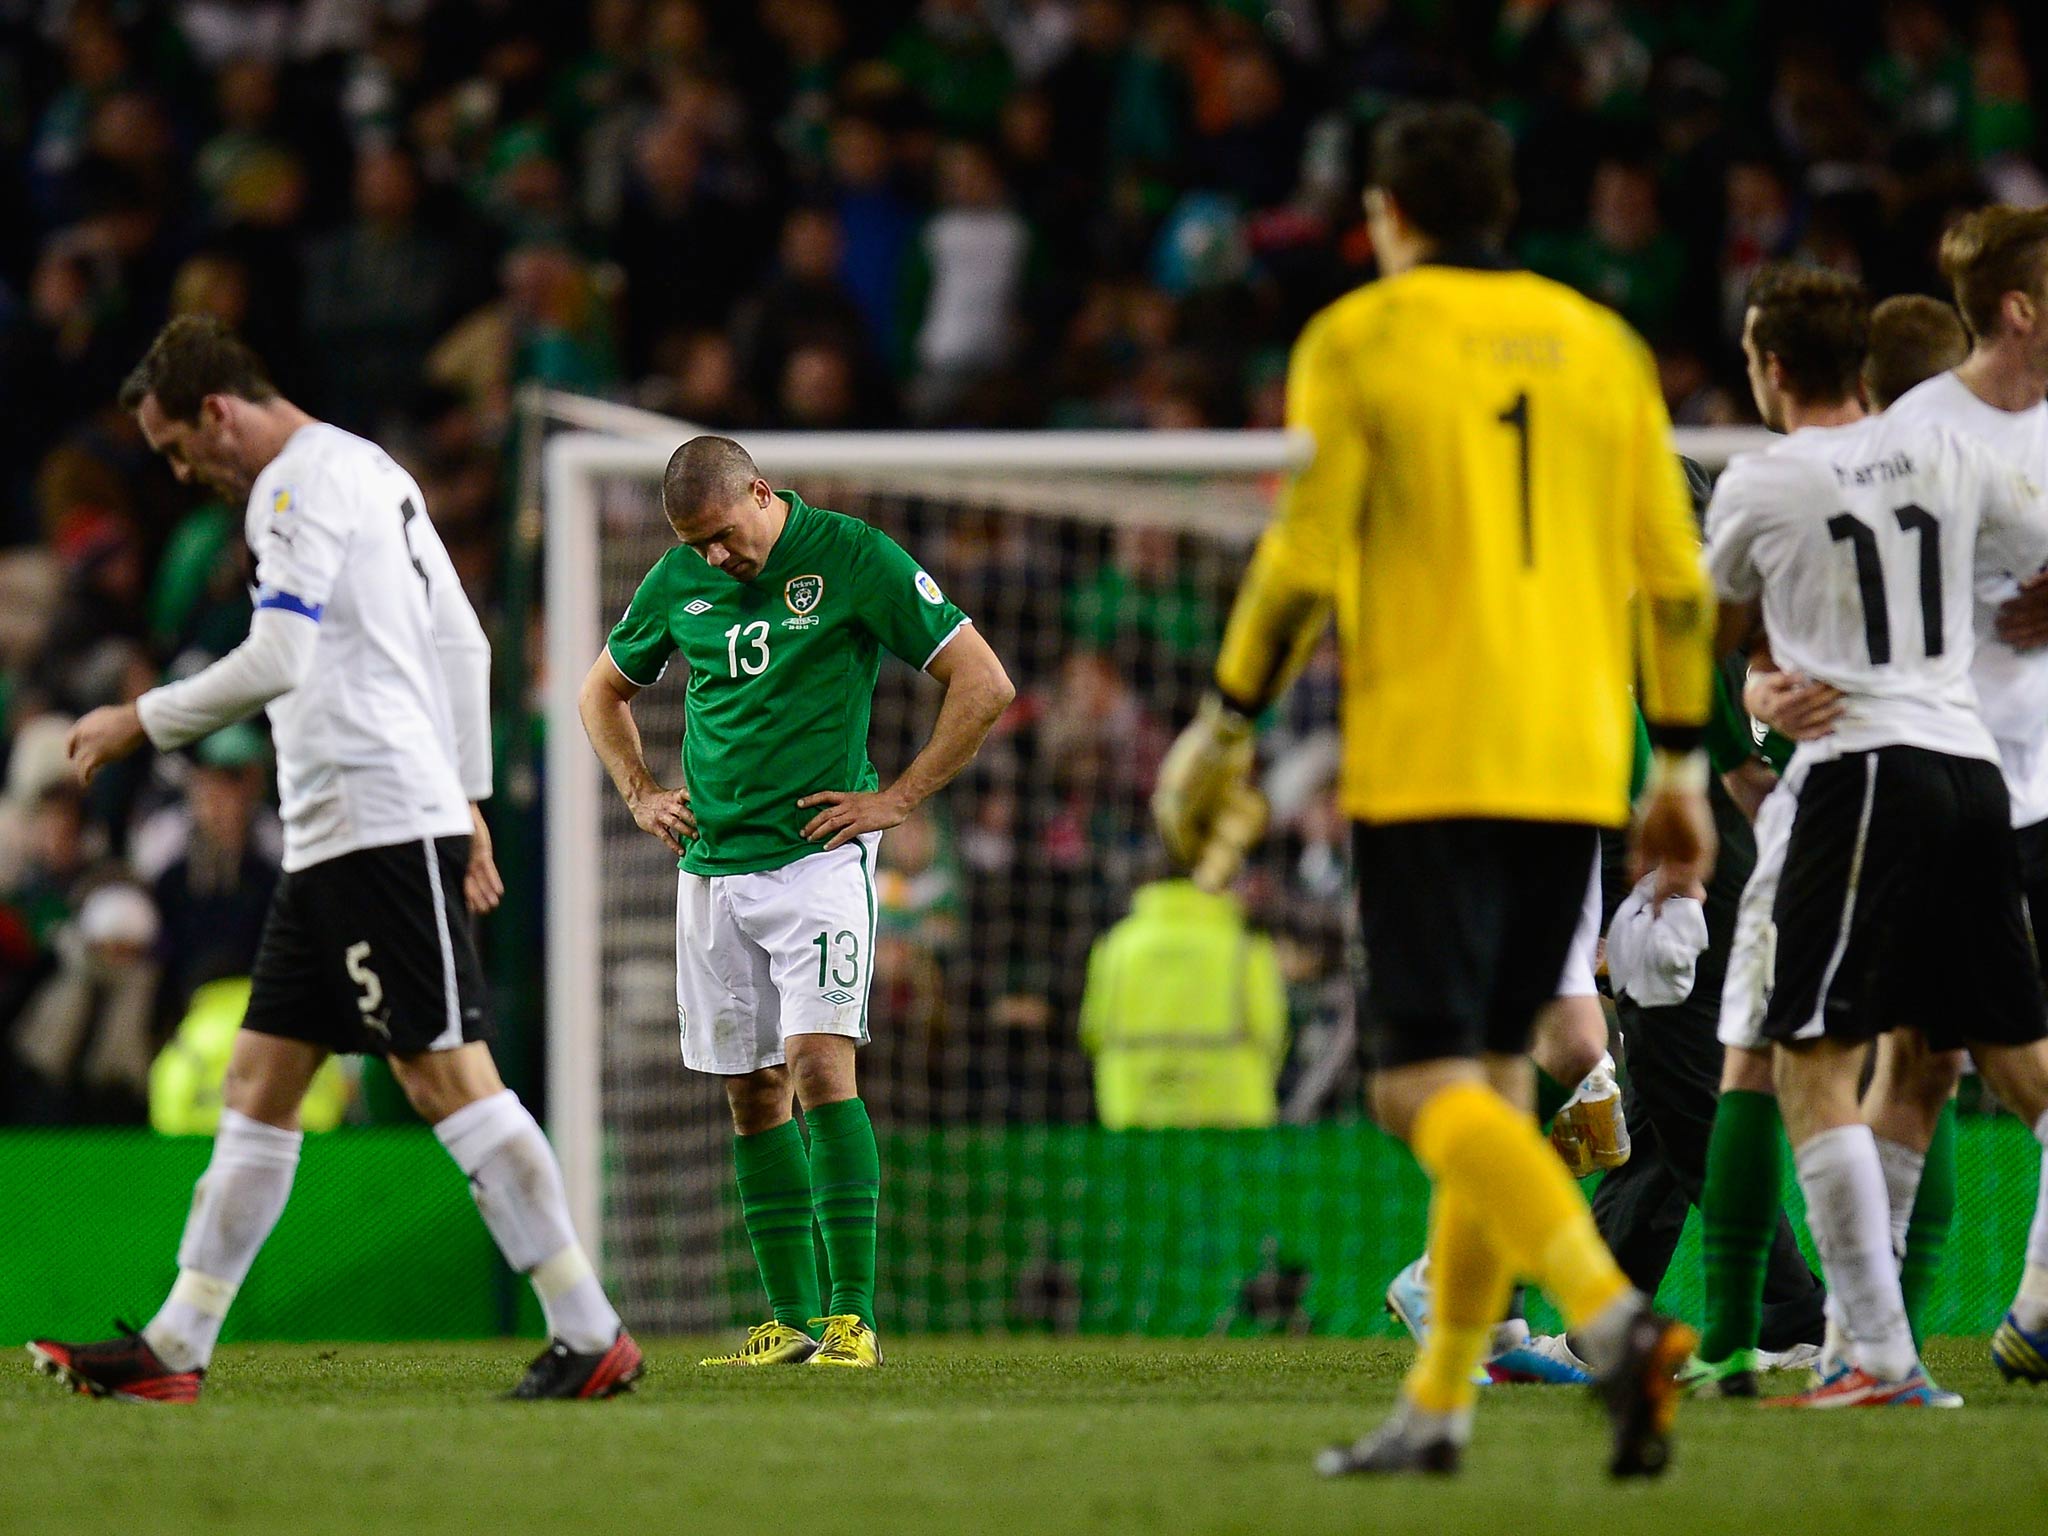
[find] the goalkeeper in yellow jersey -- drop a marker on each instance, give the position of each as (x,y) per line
(1494,512)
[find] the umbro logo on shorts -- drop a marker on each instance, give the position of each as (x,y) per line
(699,606)
(841,998)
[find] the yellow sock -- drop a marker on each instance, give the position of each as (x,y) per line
(1471,1141)
(1468,1291)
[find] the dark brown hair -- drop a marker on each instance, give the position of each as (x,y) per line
(1817,324)
(1450,167)
(705,471)
(1991,252)
(192,357)
(1912,338)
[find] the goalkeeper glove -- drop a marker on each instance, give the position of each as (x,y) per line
(1208,811)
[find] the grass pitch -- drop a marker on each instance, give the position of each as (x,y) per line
(969,1435)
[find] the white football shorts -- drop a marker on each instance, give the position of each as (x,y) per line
(1753,952)
(1577,980)
(765,956)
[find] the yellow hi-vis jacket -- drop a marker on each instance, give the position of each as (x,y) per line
(1185,1014)
(186,1077)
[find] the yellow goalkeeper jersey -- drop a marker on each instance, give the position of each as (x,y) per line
(1493,482)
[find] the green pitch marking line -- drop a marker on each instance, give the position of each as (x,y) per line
(967,1435)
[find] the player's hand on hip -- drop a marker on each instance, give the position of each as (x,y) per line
(2022,621)
(1797,708)
(1208,811)
(666,813)
(1675,836)
(104,736)
(847,813)
(482,886)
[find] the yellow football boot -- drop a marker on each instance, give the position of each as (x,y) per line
(770,1343)
(846,1341)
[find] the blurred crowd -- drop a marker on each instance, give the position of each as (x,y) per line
(802,214)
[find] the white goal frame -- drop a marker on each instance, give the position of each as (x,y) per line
(604,440)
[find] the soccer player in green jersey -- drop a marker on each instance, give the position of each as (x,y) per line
(781,611)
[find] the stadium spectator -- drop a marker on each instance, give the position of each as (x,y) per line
(83,1038)
(212,895)
(699,381)
(970,266)
(379,291)
(1624,256)
(675,239)
(820,391)
(876,222)
(805,307)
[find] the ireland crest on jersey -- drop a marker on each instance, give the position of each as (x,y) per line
(802,594)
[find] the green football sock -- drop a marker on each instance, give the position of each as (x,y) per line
(775,1195)
(1739,1216)
(1551,1096)
(1934,1207)
(846,1184)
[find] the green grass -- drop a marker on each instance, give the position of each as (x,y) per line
(1003,1436)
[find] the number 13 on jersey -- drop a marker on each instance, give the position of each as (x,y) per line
(755,662)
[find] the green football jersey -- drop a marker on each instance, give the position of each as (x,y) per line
(1732,737)
(782,674)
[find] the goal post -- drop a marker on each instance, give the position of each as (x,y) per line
(1110,558)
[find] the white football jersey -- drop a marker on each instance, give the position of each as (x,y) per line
(2012,686)
(366,750)
(1866,544)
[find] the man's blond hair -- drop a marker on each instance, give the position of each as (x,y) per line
(1989,253)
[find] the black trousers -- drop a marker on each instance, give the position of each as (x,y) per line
(1671,1083)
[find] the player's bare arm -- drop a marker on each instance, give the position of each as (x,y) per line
(1749,784)
(978,690)
(106,735)
(1674,828)
(1738,627)
(482,887)
(2022,620)
(606,705)
(1796,707)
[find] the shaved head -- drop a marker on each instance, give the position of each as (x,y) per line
(704,473)
(718,504)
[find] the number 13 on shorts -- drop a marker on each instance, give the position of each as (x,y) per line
(838,958)
(774,953)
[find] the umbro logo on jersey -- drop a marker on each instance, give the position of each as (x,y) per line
(841,998)
(699,606)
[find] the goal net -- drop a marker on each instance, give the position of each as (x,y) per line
(1100,566)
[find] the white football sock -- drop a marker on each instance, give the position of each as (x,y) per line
(1902,1169)
(235,1204)
(1834,1345)
(518,1188)
(1848,1213)
(2030,1307)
